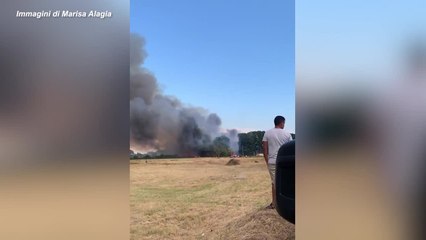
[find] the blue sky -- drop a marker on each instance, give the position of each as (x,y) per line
(233,58)
(354,40)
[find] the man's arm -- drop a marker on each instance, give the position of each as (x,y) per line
(265,151)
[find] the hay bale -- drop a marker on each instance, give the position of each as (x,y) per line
(233,162)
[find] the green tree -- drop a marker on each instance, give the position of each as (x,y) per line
(250,143)
(221,146)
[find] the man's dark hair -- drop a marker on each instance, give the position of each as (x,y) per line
(278,120)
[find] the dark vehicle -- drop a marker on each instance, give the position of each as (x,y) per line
(285,181)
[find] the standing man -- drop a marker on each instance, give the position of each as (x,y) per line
(272,140)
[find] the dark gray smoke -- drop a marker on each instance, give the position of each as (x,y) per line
(163,123)
(232,134)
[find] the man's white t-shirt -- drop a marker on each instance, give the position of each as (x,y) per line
(275,137)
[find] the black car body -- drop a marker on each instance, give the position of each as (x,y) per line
(285,181)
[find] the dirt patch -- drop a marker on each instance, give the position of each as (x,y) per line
(233,162)
(261,224)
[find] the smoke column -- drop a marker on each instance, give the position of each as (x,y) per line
(162,123)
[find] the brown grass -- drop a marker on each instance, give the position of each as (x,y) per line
(202,198)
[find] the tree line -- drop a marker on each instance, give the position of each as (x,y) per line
(250,144)
(220,147)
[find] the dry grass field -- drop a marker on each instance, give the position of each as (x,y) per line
(202,198)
